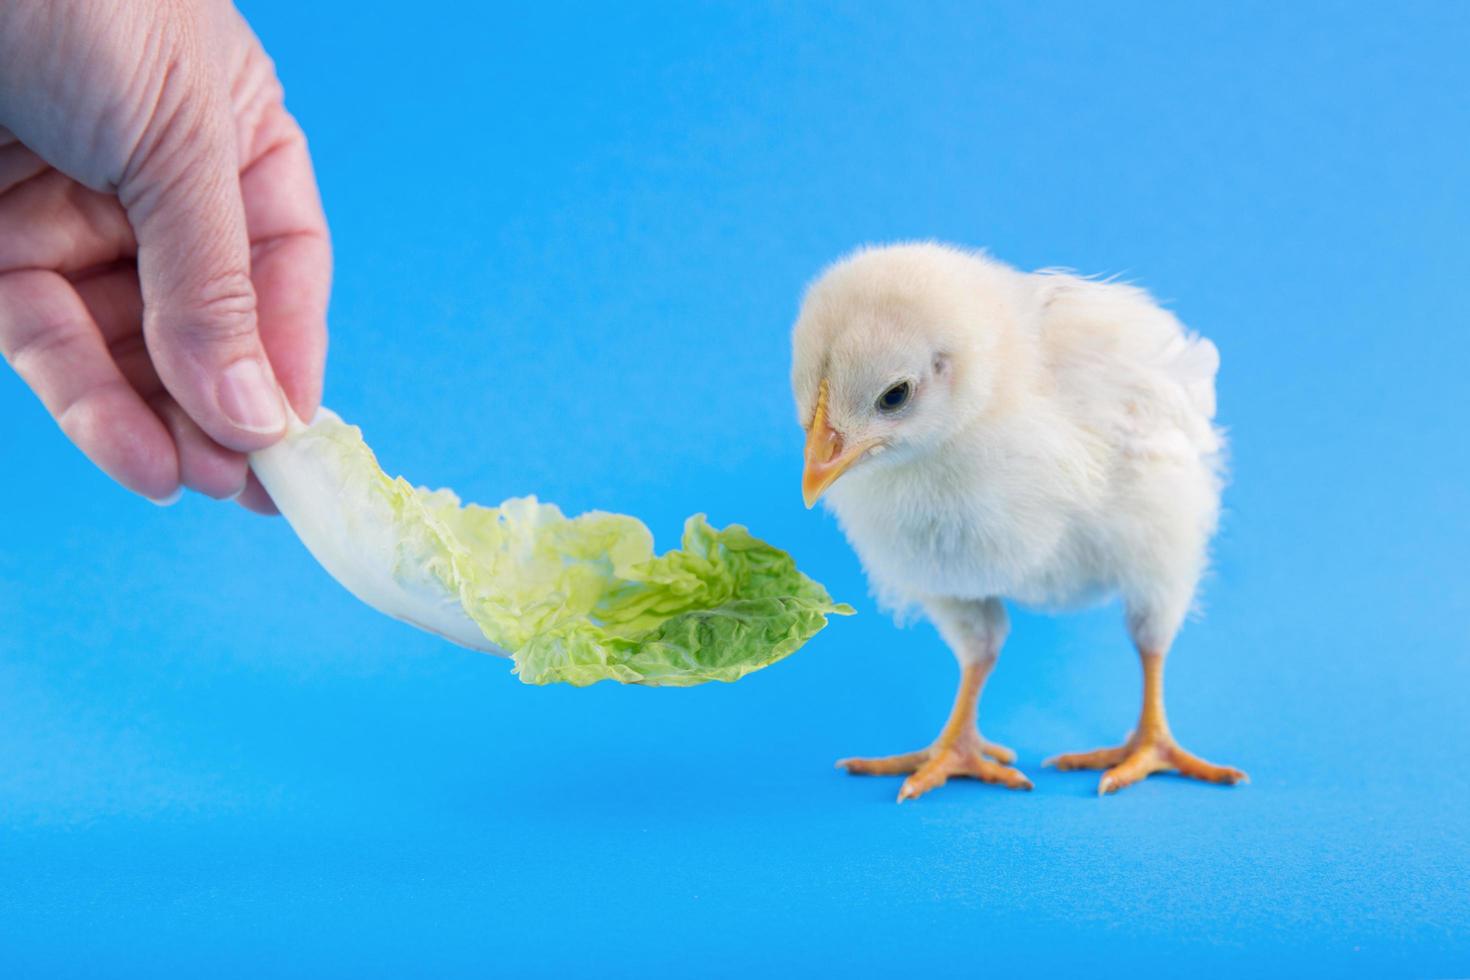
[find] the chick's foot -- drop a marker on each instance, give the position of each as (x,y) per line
(971,757)
(1143,755)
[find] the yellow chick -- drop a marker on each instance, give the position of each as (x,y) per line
(984,434)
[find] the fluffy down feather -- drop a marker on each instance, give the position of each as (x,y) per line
(1058,446)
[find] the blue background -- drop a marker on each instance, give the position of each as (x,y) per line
(570,245)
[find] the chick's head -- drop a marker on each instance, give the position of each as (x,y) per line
(894,351)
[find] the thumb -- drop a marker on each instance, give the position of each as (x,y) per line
(199,304)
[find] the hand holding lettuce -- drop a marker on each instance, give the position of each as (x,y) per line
(578,599)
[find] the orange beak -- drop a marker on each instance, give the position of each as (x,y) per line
(826,457)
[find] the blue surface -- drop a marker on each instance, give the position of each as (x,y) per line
(569,249)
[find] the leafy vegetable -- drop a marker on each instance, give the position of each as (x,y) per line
(578,599)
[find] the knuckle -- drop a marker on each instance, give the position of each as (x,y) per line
(222,310)
(84,414)
(36,328)
(39,346)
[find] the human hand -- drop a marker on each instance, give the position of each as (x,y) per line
(164,259)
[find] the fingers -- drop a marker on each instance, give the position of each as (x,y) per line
(183,200)
(255,498)
(204,465)
(291,257)
(112,298)
(52,222)
(50,339)
(219,206)
(181,154)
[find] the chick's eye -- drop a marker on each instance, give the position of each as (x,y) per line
(895,397)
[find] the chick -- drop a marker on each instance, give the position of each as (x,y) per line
(984,434)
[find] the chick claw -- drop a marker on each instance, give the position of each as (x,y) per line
(1141,757)
(932,767)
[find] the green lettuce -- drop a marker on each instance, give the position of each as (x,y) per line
(572,599)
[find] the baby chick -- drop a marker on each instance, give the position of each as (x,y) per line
(986,434)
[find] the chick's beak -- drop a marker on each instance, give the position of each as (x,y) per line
(827,457)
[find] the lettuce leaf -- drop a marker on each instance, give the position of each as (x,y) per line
(577,600)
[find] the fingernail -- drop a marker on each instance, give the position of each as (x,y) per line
(250,399)
(168,501)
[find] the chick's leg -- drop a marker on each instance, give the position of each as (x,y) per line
(959,750)
(975,631)
(1150,749)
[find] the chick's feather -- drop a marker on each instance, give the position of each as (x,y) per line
(1061,450)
